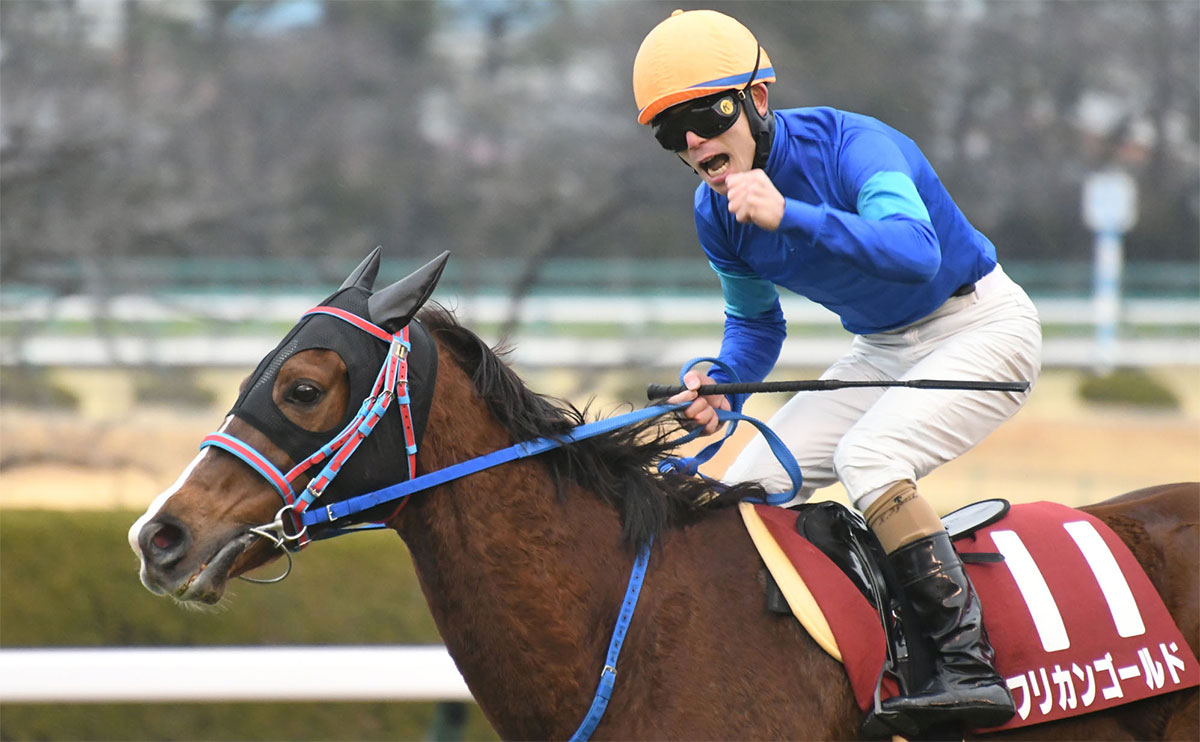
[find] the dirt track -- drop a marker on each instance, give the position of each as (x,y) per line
(1057,448)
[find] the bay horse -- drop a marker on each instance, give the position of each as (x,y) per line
(524,565)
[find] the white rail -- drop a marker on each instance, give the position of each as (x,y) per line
(542,352)
(230,674)
(634,344)
(631,309)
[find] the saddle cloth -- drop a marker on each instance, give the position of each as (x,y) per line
(1076,624)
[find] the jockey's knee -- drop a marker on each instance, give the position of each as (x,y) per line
(867,467)
(758,463)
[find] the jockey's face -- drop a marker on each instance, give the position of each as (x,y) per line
(729,152)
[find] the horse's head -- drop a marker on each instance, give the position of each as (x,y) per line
(358,362)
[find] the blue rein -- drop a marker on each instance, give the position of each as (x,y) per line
(360,503)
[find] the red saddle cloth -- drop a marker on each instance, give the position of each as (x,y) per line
(1076,624)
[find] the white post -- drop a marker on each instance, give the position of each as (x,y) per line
(1106,299)
(1109,210)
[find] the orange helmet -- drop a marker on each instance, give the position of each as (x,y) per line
(693,54)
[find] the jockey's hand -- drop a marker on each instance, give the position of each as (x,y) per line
(754,198)
(702,412)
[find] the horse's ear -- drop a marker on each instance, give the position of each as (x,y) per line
(395,305)
(364,275)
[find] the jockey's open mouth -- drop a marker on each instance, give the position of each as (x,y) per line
(716,165)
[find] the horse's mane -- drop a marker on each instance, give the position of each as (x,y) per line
(620,466)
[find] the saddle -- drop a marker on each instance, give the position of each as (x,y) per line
(1045,574)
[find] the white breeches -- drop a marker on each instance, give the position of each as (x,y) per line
(869,438)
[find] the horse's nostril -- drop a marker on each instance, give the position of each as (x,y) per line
(166,537)
(164,542)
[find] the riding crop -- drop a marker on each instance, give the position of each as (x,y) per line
(658,391)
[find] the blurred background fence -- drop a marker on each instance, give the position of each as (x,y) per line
(585,312)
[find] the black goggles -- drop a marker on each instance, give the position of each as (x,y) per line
(707,117)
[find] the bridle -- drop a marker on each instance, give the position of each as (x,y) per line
(391,384)
(288,531)
(291,533)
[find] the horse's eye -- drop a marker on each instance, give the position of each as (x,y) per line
(304,393)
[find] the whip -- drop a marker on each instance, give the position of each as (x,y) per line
(659,391)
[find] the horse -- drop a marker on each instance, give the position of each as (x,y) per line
(524,565)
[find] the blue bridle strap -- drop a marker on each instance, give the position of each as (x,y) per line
(526,449)
(608,677)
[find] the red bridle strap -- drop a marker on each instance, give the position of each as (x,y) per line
(256,460)
(354,319)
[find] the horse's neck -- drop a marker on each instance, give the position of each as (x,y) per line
(523,585)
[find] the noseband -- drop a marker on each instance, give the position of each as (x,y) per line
(391,384)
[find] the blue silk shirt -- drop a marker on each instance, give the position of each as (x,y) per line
(868,232)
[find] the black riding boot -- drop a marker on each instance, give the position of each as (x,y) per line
(965,691)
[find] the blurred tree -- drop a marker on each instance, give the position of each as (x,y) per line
(407,26)
(506,127)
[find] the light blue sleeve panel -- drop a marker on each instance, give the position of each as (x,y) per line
(888,194)
(882,225)
(746,296)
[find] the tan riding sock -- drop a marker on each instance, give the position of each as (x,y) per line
(900,516)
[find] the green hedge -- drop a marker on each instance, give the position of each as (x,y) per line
(1128,386)
(70,579)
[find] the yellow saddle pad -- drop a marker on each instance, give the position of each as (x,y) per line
(799,598)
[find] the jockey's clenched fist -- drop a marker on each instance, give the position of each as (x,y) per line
(754,198)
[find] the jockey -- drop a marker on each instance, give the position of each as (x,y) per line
(845,210)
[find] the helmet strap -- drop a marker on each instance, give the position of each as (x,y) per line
(762,126)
